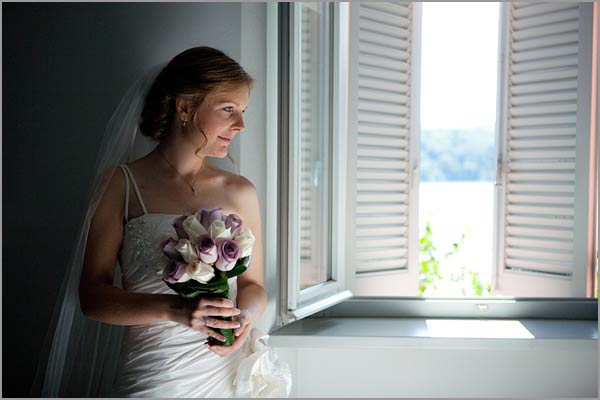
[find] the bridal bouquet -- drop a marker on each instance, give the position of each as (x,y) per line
(209,249)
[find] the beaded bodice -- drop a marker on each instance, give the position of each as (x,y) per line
(142,259)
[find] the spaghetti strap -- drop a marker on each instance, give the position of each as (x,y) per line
(126,193)
(135,187)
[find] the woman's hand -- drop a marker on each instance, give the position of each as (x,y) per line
(244,319)
(203,320)
(241,335)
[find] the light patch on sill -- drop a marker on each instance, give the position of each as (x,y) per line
(443,328)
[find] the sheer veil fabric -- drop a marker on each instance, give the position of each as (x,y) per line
(79,355)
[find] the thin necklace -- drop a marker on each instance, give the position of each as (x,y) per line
(182,177)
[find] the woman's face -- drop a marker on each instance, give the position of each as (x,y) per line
(220,117)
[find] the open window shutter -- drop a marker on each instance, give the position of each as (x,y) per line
(383,94)
(545,128)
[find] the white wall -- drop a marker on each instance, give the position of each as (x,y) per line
(417,357)
(253,143)
(541,370)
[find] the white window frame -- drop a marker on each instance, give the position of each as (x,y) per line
(296,304)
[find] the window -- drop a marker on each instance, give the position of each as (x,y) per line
(361,194)
(312,154)
(542,180)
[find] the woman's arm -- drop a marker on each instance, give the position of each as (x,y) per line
(99,299)
(251,295)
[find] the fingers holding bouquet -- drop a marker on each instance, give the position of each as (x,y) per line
(243,319)
(208,316)
(240,339)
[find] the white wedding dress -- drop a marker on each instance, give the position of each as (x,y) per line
(165,359)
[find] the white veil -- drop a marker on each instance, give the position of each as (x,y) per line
(79,356)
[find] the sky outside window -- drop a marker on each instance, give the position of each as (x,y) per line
(458,65)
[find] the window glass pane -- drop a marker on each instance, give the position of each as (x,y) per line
(315,135)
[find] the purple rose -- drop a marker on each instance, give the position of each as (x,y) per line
(234,223)
(168,247)
(206,249)
(174,271)
(178,225)
(206,216)
(229,252)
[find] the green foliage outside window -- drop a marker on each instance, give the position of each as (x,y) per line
(433,276)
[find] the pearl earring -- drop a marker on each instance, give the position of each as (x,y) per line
(184,122)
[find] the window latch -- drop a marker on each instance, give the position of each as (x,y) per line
(499,171)
(317,170)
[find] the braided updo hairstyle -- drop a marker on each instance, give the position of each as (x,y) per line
(192,75)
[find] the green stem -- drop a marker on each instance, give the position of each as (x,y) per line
(228,333)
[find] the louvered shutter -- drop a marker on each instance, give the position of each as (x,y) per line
(382,201)
(313,154)
(308,127)
(546,126)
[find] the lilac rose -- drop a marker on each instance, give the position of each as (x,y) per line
(234,223)
(206,216)
(174,271)
(206,249)
(178,225)
(168,247)
(229,252)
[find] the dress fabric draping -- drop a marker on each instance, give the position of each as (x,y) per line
(164,359)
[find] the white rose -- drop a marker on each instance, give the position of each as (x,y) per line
(186,249)
(184,278)
(200,271)
(245,240)
(217,230)
(194,228)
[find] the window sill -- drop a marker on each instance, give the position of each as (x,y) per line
(435,333)
(407,357)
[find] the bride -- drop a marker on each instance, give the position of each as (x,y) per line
(193,110)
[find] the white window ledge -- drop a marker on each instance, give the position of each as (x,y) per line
(419,357)
(435,333)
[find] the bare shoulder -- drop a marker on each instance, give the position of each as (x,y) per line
(240,191)
(141,166)
(240,186)
(243,194)
(114,195)
(233,184)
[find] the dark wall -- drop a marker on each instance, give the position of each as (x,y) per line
(65,67)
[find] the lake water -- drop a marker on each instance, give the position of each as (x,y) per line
(452,208)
